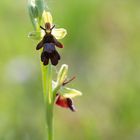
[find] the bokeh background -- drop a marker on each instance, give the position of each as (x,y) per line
(102,49)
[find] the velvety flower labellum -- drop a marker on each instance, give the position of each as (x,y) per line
(65,102)
(48,44)
(49,52)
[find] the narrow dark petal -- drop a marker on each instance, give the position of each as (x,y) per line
(42,28)
(57,43)
(39,45)
(70,104)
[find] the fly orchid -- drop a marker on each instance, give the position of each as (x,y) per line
(64,95)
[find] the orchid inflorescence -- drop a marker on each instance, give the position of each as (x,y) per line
(47,36)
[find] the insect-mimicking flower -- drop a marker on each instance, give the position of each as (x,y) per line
(49,41)
(64,94)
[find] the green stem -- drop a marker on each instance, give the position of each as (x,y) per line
(55,92)
(48,98)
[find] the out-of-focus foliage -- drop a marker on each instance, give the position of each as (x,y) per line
(102,49)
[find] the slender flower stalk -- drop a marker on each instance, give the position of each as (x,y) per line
(47,36)
(47,90)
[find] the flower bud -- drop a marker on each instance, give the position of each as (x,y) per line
(33,12)
(35,8)
(40,6)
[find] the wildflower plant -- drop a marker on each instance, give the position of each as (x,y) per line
(55,92)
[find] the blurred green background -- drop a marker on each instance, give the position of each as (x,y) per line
(102,49)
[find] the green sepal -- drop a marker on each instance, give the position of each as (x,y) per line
(69,92)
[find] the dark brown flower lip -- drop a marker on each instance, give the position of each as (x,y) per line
(49,53)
